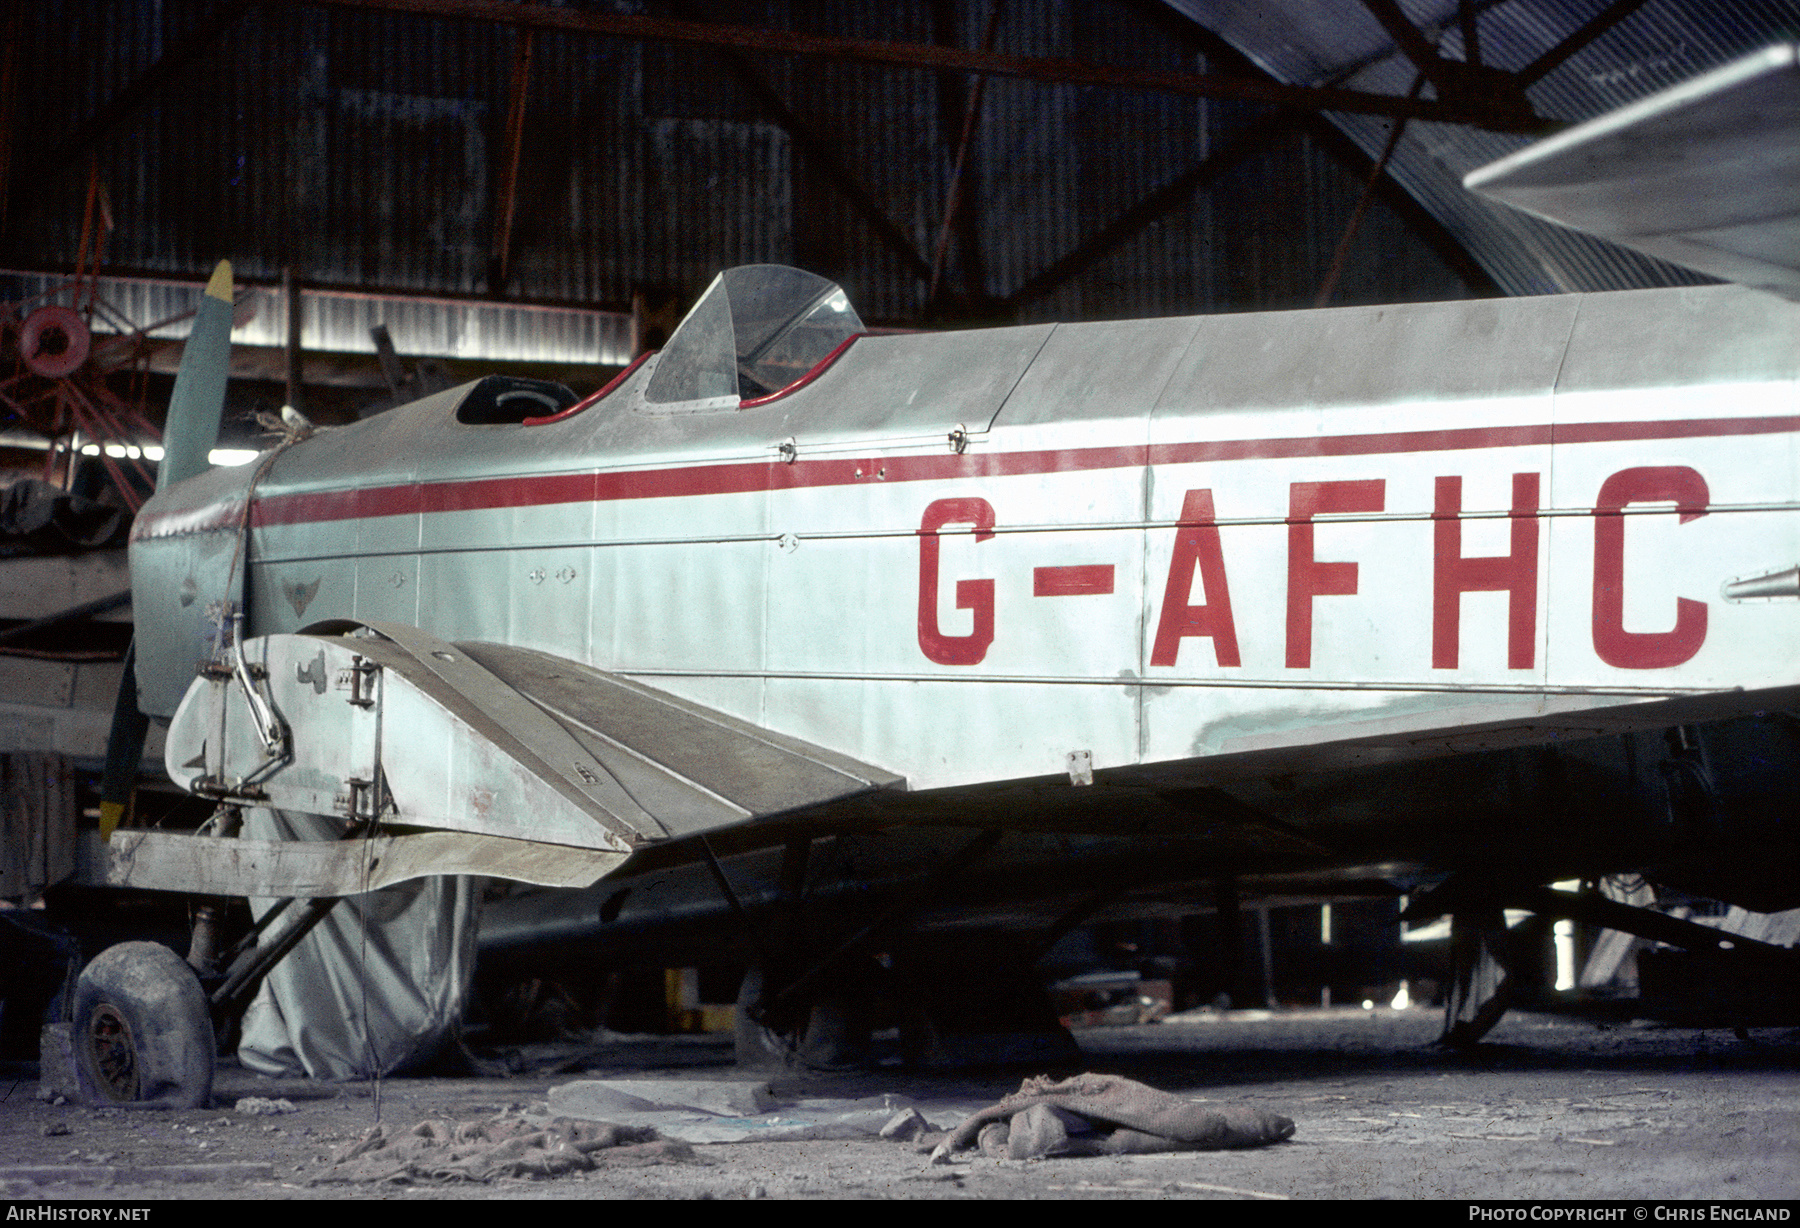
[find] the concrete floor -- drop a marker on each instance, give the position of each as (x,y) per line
(1549,1109)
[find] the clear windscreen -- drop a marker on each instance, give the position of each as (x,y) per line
(756,330)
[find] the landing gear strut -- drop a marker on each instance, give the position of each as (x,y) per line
(1494,967)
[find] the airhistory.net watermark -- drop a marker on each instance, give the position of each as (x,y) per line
(46,1213)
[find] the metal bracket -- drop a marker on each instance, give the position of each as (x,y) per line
(359,680)
(363,801)
(1081,767)
(269,728)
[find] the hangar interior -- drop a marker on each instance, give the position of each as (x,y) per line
(415,193)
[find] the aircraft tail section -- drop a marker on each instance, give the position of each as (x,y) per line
(190,431)
(1701,174)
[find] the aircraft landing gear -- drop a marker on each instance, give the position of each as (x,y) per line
(950,1011)
(830,1032)
(1495,967)
(1488,962)
(955,1000)
(142,1033)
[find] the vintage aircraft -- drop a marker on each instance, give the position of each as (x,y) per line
(829,640)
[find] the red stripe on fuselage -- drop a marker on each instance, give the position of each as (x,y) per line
(745,477)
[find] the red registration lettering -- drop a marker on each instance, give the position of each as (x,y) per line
(1686,489)
(1307,576)
(1515,574)
(1197,542)
(976,596)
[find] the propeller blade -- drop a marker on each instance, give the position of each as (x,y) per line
(199,396)
(188,438)
(124,749)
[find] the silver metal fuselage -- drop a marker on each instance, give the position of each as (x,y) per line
(1163,551)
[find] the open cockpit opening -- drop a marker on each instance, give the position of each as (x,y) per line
(506,400)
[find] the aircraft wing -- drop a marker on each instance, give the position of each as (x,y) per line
(493,754)
(691,769)
(1702,175)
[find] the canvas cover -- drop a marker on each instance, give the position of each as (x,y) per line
(377,988)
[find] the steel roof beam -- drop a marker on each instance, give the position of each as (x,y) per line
(1412,44)
(1349,69)
(506,204)
(1056,71)
(1350,155)
(122,104)
(1417,218)
(1603,21)
(1252,138)
(1471,32)
(1460,82)
(970,229)
(823,156)
(1379,172)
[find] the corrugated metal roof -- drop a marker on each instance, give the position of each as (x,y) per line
(362,149)
(339,321)
(1313,42)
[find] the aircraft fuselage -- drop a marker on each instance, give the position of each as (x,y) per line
(1017,553)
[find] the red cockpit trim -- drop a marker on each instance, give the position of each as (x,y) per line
(804,380)
(582,404)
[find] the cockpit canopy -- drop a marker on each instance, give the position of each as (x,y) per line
(756,330)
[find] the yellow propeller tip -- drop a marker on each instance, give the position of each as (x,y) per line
(219,286)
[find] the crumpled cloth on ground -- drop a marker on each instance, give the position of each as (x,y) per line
(439,1150)
(1095,1114)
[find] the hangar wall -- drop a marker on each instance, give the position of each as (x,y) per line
(367,149)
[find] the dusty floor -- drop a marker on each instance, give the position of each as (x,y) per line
(1548,1109)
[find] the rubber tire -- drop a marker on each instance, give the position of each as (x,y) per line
(142,1033)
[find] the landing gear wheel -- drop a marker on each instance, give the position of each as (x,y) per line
(758,1045)
(142,1033)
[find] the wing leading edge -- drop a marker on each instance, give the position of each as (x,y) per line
(1702,174)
